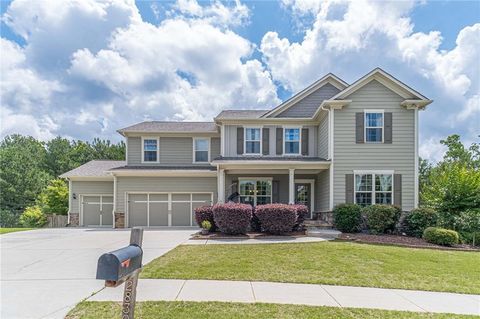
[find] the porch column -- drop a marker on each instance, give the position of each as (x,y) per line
(221,185)
(291,186)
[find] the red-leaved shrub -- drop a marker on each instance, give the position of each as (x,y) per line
(276,218)
(205,213)
(232,218)
(302,213)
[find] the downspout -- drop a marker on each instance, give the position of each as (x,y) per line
(114,199)
(69,200)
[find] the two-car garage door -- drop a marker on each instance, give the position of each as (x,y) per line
(165,209)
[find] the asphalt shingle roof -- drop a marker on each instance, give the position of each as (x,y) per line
(164,126)
(93,169)
(241,114)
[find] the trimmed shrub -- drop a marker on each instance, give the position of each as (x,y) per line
(380,218)
(347,218)
(255,224)
(205,213)
(232,218)
(419,219)
(33,217)
(277,218)
(302,213)
(206,225)
(441,236)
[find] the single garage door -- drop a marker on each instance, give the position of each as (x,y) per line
(165,209)
(97,210)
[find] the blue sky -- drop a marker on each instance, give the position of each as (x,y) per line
(85,69)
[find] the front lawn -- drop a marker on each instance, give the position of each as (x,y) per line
(12,230)
(333,263)
(203,310)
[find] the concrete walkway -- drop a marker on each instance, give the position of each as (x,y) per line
(271,240)
(302,294)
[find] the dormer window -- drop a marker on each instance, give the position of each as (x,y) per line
(373,127)
(252,140)
(150,150)
(292,141)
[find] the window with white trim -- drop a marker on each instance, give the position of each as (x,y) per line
(373,189)
(255,192)
(252,140)
(373,127)
(150,150)
(291,141)
(201,150)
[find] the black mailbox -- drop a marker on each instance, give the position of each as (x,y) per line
(117,265)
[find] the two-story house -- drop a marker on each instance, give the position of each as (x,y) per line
(331,143)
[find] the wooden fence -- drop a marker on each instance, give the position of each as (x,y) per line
(54,221)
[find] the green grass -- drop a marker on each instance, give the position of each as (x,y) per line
(333,263)
(12,230)
(203,310)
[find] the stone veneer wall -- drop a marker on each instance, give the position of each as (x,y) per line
(119,220)
(74,219)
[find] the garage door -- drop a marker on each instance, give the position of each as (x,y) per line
(165,209)
(97,210)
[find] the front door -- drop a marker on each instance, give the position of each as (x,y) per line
(303,194)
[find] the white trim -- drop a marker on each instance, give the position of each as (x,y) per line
(70,195)
(416,161)
(114,200)
(373,191)
(126,149)
(312,192)
(374,171)
(166,172)
(291,186)
(251,178)
(260,128)
(209,150)
(299,140)
(222,141)
(221,185)
(255,180)
(373,111)
(80,204)
(332,155)
(143,149)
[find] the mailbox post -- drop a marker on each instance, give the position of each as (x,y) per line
(124,266)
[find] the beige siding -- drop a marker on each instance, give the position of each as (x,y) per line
(163,184)
(91,188)
(322,146)
(398,156)
(322,190)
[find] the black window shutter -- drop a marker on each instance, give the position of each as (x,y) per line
(387,117)
(275,192)
(239,140)
(349,188)
(359,127)
(279,140)
(305,141)
(265,141)
(397,190)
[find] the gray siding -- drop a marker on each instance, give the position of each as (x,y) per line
(214,147)
(230,140)
(309,105)
(322,146)
(163,184)
(398,156)
(322,190)
(134,147)
(91,188)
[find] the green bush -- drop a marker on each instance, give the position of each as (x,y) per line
(472,238)
(206,225)
(380,218)
(347,218)
(441,236)
(8,218)
(419,219)
(33,217)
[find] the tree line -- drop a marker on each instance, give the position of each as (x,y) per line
(29,170)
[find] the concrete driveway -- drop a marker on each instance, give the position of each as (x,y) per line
(46,272)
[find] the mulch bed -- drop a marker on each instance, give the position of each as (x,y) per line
(252,235)
(397,240)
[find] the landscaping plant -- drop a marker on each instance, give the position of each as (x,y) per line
(232,218)
(419,219)
(302,213)
(276,218)
(347,218)
(441,236)
(205,213)
(468,224)
(33,217)
(380,218)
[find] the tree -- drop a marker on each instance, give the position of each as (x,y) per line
(457,153)
(59,156)
(54,198)
(23,174)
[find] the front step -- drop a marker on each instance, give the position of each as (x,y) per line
(317,224)
(322,232)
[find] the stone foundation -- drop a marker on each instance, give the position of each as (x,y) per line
(119,220)
(74,220)
(326,217)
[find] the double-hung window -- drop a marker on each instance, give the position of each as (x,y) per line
(373,127)
(150,150)
(292,141)
(255,192)
(200,150)
(373,189)
(252,140)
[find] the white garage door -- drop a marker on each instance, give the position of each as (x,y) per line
(165,209)
(97,210)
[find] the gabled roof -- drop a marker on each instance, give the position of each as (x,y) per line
(170,127)
(329,78)
(240,114)
(93,168)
